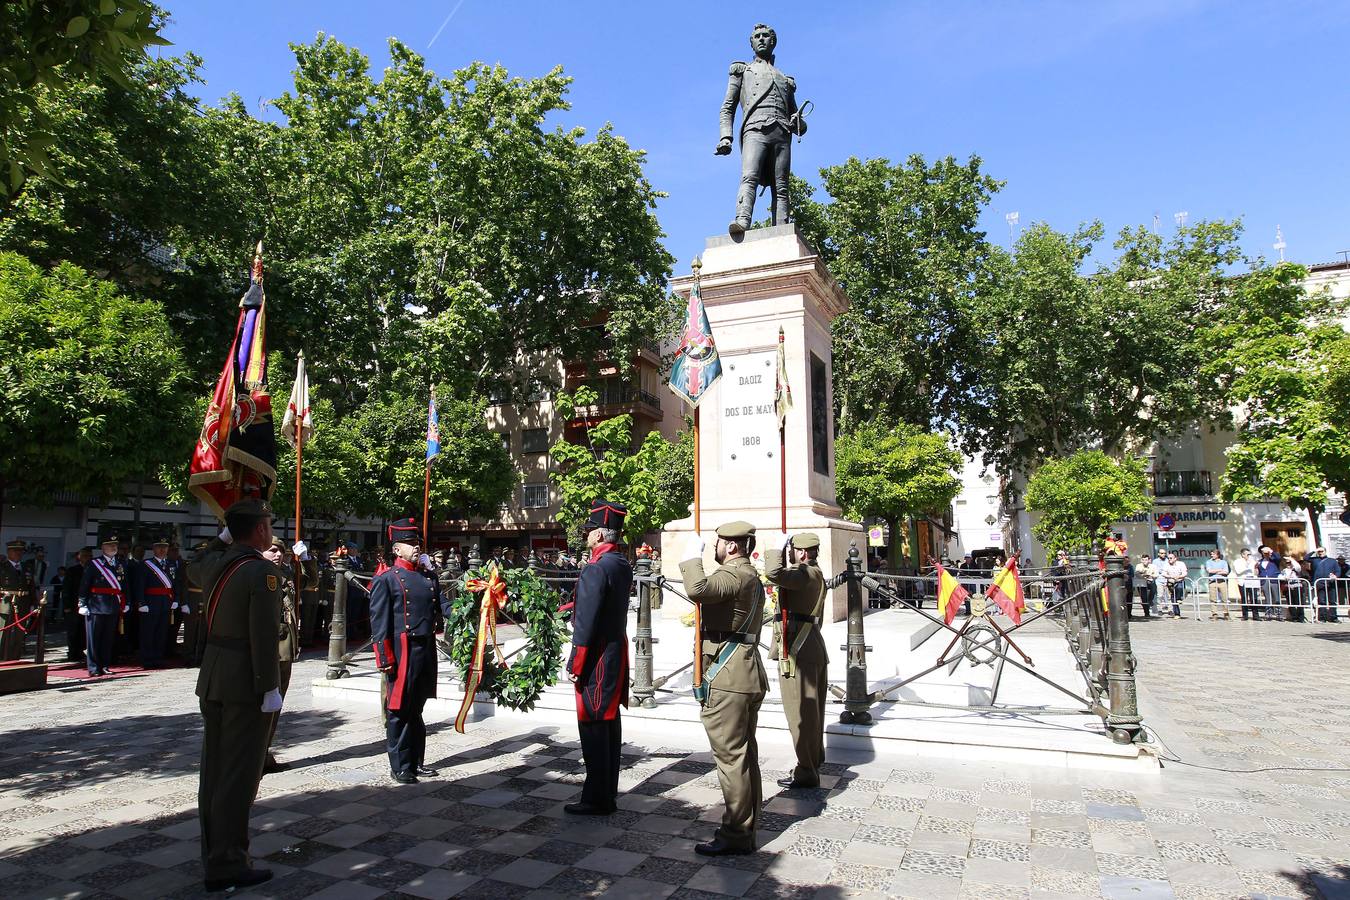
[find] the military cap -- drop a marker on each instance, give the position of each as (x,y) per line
(162,542)
(249,506)
(734,531)
(807,540)
(606,514)
(16,544)
(110,539)
(278,543)
(201,545)
(405,531)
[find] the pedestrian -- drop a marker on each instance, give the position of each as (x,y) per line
(800,650)
(1293,588)
(37,567)
(238,687)
(1244,567)
(1217,571)
(103,603)
(598,665)
(734,683)
(1144,578)
(17,596)
(1325,571)
(70,601)
(1268,576)
(1174,572)
(403,601)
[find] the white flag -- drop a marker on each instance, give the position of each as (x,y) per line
(297,409)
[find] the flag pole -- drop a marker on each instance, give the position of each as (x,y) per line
(426,505)
(782,442)
(299,467)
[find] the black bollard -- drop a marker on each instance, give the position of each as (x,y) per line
(857,700)
(644,693)
(337,625)
(1126,724)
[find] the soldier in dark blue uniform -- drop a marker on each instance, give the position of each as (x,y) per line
(103,602)
(156,603)
(599,662)
(403,603)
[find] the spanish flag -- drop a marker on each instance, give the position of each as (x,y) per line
(1006,591)
(950,594)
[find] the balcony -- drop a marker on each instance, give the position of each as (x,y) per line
(615,399)
(1182,483)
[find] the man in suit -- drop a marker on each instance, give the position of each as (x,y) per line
(769,119)
(732,601)
(598,665)
(403,602)
(238,687)
(800,651)
(16,600)
(104,600)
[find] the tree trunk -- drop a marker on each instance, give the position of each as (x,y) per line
(893,545)
(1315,527)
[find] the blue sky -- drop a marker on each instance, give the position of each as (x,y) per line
(1117,110)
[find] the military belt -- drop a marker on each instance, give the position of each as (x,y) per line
(803,618)
(228,643)
(735,637)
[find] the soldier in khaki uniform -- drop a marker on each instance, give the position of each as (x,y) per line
(800,651)
(732,601)
(238,687)
(288,628)
(16,601)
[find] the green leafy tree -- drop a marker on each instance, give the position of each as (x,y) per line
(904,242)
(1066,357)
(46,43)
(1080,495)
(93,384)
(895,472)
(654,479)
(1281,359)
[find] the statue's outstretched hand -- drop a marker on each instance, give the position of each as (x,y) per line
(723,147)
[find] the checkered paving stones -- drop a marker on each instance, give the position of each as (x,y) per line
(98,795)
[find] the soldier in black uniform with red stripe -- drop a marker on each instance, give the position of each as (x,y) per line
(403,601)
(599,662)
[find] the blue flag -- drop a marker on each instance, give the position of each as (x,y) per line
(433,430)
(697,364)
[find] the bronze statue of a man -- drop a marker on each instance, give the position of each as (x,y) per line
(769,119)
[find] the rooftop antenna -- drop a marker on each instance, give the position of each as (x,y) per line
(1279,242)
(1345,255)
(1180,218)
(1011,218)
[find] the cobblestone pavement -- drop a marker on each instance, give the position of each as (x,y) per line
(98,791)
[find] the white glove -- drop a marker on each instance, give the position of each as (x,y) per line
(226,536)
(145,609)
(424,561)
(694,548)
(272,701)
(300,549)
(126,609)
(173,606)
(83,610)
(187,610)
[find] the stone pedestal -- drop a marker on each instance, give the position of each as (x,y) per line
(751,287)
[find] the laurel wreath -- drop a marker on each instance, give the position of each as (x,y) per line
(530,603)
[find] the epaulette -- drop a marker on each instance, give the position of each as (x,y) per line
(792,82)
(737,68)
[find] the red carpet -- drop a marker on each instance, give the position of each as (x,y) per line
(79,672)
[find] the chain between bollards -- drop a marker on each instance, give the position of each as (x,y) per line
(337,627)
(1124,721)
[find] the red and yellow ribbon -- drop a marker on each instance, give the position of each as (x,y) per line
(494,598)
